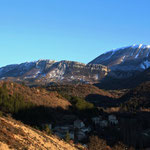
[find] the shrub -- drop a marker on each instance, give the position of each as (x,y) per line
(12,103)
(81,104)
(47,129)
(1,114)
(97,144)
(67,137)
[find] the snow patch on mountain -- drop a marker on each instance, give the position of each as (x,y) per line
(145,64)
(122,59)
(56,73)
(138,53)
(135,57)
(140,46)
(109,56)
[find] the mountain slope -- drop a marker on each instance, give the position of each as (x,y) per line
(47,71)
(111,82)
(135,57)
(38,96)
(15,135)
(79,90)
(138,97)
(85,91)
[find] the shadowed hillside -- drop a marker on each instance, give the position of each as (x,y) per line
(137,98)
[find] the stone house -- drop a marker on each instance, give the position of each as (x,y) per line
(96,120)
(79,124)
(103,123)
(112,119)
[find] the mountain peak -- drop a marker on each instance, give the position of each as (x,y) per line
(134,57)
(131,46)
(140,46)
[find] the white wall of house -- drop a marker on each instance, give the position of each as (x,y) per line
(112,119)
(79,124)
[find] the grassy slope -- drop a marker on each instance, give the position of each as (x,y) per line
(79,90)
(38,96)
(15,135)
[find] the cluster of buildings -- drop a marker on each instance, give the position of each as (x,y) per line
(99,121)
(78,131)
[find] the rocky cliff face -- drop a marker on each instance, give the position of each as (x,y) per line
(47,71)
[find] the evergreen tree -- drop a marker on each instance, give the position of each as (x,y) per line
(67,138)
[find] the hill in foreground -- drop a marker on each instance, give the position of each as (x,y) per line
(15,135)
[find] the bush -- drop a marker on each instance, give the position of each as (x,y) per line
(47,129)
(12,103)
(67,138)
(1,114)
(97,144)
(81,104)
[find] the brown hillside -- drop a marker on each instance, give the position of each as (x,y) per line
(38,96)
(15,135)
(139,96)
(79,90)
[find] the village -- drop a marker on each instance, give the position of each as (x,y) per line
(79,130)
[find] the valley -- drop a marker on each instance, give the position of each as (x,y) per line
(103,103)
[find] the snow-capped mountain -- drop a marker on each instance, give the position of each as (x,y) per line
(131,58)
(47,71)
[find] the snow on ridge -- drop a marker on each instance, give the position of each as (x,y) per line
(140,46)
(138,53)
(112,52)
(109,56)
(145,64)
(136,45)
(145,46)
(142,66)
(116,49)
(122,59)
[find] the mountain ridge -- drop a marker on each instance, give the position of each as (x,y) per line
(47,71)
(118,63)
(119,59)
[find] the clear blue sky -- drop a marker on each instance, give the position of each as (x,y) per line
(77,30)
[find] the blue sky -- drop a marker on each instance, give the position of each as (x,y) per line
(77,30)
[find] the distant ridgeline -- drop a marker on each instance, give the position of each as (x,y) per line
(47,71)
(110,67)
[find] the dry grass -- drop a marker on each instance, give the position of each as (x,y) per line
(15,135)
(79,90)
(38,96)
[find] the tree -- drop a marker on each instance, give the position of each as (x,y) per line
(67,137)
(47,129)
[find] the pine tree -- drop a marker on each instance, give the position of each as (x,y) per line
(67,138)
